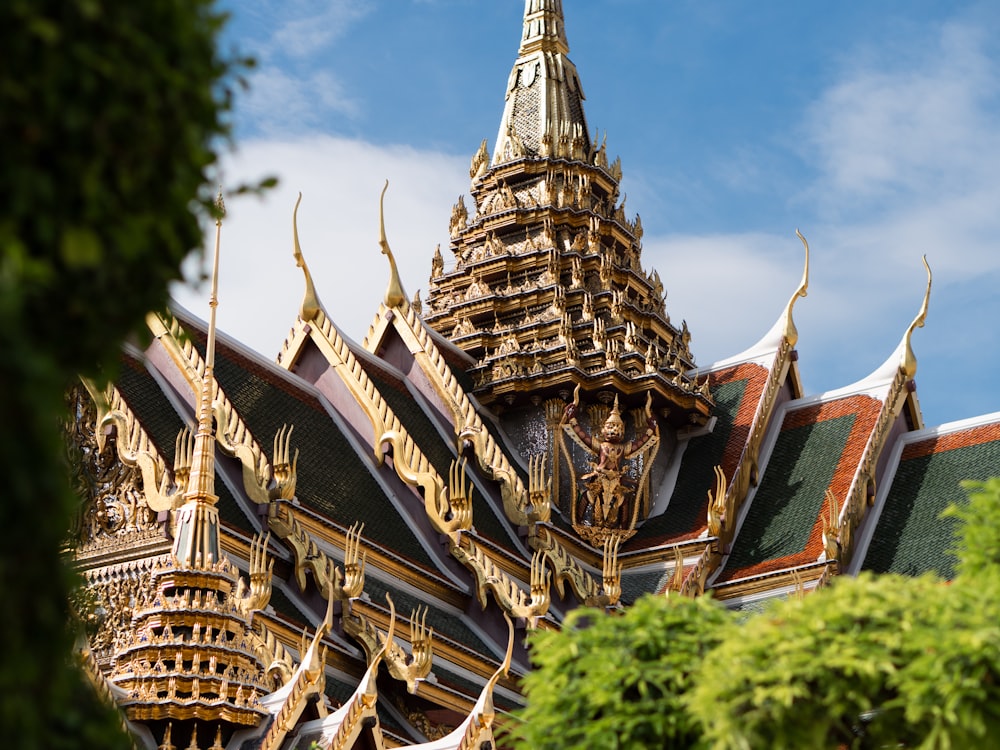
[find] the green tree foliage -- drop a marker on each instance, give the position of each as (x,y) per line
(619,681)
(110,114)
(870,662)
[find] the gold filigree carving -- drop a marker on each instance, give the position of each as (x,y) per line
(472,434)
(831,527)
(344,585)
(108,600)
(565,567)
(110,472)
(279,665)
(694,581)
(720,511)
(256,596)
(285,474)
(511,598)
(677,578)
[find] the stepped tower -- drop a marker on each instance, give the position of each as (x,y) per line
(547,290)
(190,667)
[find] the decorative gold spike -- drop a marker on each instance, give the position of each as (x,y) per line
(489,713)
(791,333)
(539,490)
(354,571)
(310,301)
(196,539)
(459,500)
(415,667)
(394,295)
(258,594)
(183,455)
(799,591)
(540,576)
(612,570)
(831,527)
(284,472)
(193,745)
(677,580)
(909,363)
(717,516)
(391,633)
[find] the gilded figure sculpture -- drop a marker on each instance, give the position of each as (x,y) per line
(608,495)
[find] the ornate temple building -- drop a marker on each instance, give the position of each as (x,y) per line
(348,545)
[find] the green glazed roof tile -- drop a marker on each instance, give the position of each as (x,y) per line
(911,538)
(788,501)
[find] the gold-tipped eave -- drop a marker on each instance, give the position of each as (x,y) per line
(791,332)
(909,362)
(310,301)
(394,295)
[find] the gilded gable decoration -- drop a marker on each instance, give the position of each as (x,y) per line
(608,499)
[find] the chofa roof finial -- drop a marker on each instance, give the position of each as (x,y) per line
(394,295)
(791,332)
(310,301)
(909,363)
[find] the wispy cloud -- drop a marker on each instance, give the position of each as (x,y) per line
(889,133)
(312,25)
(282,104)
(290,91)
(904,151)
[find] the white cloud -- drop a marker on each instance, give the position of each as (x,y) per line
(887,131)
(260,287)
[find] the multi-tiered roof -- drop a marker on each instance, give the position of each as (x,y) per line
(546,287)
(384,482)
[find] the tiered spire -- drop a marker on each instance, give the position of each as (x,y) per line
(543,115)
(548,290)
(196,535)
(190,657)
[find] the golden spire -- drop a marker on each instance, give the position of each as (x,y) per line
(196,537)
(310,301)
(909,363)
(791,332)
(394,295)
(543,114)
(544,28)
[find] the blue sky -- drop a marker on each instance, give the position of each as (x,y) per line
(872,127)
